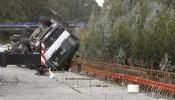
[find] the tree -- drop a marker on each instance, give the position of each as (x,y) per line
(31,10)
(73,9)
(144,29)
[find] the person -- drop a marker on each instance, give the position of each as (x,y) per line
(44,23)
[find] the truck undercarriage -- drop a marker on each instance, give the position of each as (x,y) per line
(60,47)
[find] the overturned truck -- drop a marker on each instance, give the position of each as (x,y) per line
(60,47)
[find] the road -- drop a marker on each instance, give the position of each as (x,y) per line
(22,84)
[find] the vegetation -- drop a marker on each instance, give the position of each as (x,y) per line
(31,10)
(143,29)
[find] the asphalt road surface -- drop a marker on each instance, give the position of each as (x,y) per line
(22,84)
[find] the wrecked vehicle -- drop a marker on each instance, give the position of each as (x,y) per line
(60,47)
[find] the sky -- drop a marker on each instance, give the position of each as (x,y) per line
(100,2)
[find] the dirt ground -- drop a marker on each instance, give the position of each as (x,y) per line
(22,84)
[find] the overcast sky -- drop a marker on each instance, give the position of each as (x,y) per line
(100,2)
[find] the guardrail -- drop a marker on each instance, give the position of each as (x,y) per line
(35,24)
(19,24)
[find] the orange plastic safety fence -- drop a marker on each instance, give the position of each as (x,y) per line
(87,67)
